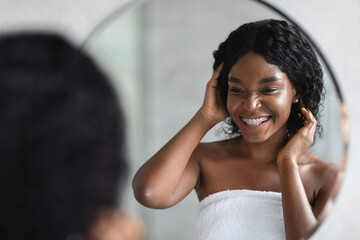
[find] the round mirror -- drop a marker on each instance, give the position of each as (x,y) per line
(159,55)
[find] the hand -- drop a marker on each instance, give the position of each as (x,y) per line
(213,108)
(117,224)
(299,142)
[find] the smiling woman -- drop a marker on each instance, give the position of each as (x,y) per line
(263,97)
(171,77)
(261,71)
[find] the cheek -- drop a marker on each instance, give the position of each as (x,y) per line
(283,103)
(230,104)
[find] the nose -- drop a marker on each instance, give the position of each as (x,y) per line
(251,102)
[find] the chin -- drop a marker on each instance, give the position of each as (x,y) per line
(254,139)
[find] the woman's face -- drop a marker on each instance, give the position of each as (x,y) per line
(259,98)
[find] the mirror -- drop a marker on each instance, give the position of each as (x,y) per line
(159,55)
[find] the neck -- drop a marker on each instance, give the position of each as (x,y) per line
(266,151)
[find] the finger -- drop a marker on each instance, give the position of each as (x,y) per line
(217,72)
(310,121)
(311,116)
(308,115)
(219,68)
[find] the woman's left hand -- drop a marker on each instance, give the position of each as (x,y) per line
(299,142)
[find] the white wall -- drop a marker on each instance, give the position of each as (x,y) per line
(74,18)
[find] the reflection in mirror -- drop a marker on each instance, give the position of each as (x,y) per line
(160,62)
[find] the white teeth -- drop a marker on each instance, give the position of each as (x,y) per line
(254,121)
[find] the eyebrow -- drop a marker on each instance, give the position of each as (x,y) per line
(262,81)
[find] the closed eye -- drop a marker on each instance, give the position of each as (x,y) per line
(269,90)
(236,90)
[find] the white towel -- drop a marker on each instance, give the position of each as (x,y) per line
(241,214)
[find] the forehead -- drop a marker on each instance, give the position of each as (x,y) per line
(254,66)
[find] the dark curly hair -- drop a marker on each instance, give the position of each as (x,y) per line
(61,142)
(284,46)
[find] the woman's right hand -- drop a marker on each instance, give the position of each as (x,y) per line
(173,172)
(213,108)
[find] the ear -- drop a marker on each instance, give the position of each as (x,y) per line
(297,94)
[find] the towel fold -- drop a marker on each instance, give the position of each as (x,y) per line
(241,214)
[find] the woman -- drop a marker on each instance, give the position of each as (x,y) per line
(262,183)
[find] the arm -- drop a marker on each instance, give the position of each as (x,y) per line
(298,215)
(168,176)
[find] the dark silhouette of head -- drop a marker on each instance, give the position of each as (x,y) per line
(61,142)
(283,45)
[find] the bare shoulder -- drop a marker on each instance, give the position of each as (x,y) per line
(212,149)
(321,166)
(323,172)
(326,178)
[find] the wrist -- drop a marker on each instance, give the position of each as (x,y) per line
(207,119)
(287,164)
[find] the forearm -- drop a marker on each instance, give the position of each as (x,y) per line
(298,216)
(158,179)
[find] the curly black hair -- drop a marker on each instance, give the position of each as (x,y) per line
(283,45)
(61,142)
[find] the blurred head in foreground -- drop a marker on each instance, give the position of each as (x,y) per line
(61,140)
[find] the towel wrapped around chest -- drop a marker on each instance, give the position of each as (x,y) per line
(241,214)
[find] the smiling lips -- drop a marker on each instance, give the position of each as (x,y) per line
(254,121)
